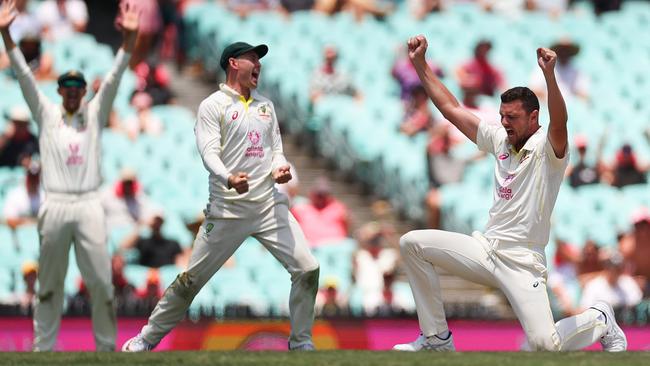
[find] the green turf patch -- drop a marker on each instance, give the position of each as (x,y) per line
(329,358)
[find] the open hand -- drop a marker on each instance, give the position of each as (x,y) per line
(546,59)
(239,182)
(7,13)
(282,174)
(129,18)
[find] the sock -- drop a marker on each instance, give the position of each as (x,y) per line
(444,335)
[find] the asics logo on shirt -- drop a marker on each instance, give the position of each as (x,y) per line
(74,158)
(234,116)
(504,156)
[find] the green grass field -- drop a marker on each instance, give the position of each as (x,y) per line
(328,358)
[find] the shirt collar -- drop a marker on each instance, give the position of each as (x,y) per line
(531,142)
(234,93)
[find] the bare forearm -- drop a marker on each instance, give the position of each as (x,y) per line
(9,42)
(437,91)
(556,106)
(128,42)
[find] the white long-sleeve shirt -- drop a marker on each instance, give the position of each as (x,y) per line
(70,145)
(236,135)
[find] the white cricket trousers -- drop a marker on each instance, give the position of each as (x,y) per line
(519,270)
(78,219)
(216,241)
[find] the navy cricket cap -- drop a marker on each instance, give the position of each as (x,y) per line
(71,79)
(239,48)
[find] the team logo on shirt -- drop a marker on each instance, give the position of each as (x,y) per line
(254,150)
(525,156)
(264,111)
(74,158)
(504,156)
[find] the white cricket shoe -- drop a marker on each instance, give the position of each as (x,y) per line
(614,340)
(137,344)
(303,347)
(432,343)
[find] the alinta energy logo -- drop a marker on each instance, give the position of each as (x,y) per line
(255,150)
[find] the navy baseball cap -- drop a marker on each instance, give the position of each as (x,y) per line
(239,48)
(73,78)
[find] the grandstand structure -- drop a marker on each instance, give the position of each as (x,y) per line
(362,138)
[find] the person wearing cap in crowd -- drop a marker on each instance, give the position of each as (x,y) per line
(70,145)
(583,173)
(571,80)
(17,140)
(626,169)
(328,80)
(23,202)
(155,250)
(238,138)
(324,219)
(479,71)
(635,247)
(125,203)
(613,286)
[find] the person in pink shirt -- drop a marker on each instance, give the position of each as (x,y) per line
(323,219)
(480,70)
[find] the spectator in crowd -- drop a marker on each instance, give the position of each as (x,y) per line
(418,116)
(635,247)
(324,218)
(150,28)
(328,79)
(17,141)
(583,173)
(330,302)
(125,203)
(290,6)
(404,73)
(627,169)
(124,291)
(26,22)
(155,249)
(372,263)
(149,295)
(26,299)
(479,71)
(563,280)
(591,262)
(23,202)
(157,84)
(571,80)
(554,8)
(244,7)
(603,6)
(144,121)
(358,8)
(419,9)
(613,287)
(62,18)
(40,63)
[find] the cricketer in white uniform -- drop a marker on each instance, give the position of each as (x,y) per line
(70,145)
(530,165)
(238,137)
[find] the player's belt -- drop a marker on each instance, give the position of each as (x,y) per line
(71,197)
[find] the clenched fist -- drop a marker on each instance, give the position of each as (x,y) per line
(282,174)
(417,47)
(239,182)
(546,59)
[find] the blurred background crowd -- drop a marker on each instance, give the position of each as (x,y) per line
(372,158)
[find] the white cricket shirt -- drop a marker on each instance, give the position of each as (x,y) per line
(237,135)
(526,185)
(70,145)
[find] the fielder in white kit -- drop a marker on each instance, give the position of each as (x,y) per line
(530,165)
(70,145)
(238,137)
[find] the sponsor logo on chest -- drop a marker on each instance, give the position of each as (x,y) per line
(254,149)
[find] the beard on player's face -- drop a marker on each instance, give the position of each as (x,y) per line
(518,123)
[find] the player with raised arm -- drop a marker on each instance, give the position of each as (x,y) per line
(70,146)
(530,165)
(238,138)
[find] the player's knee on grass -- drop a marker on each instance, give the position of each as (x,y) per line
(542,342)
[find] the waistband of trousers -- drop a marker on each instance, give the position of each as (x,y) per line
(496,244)
(71,197)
